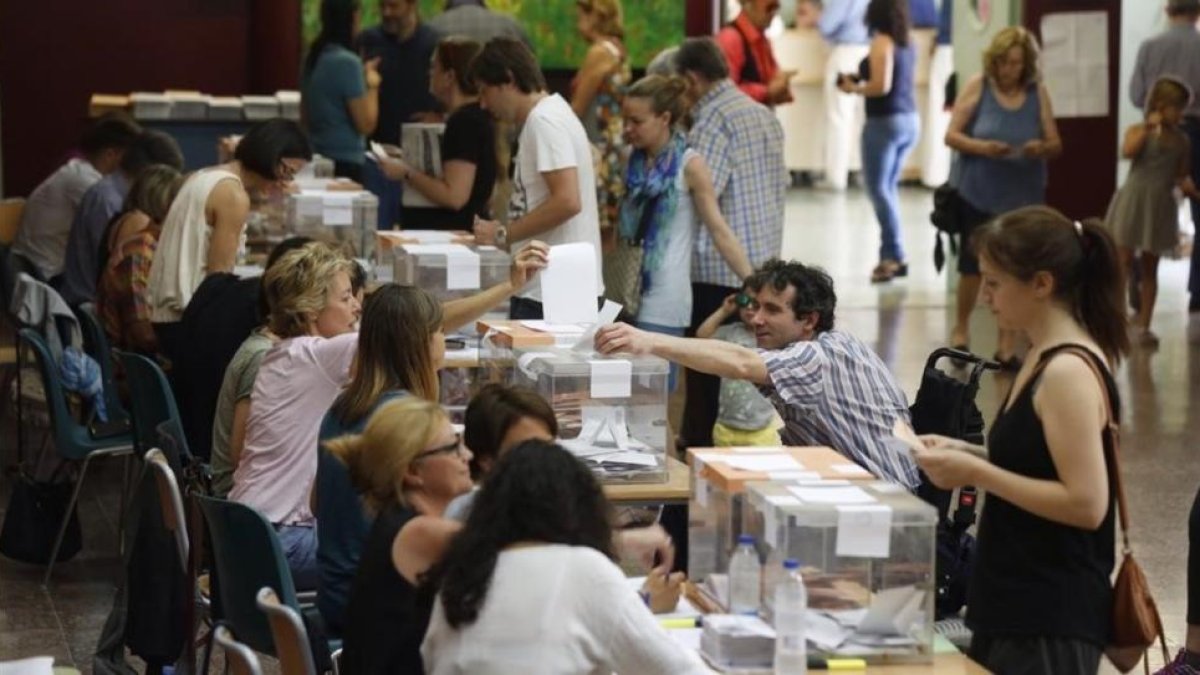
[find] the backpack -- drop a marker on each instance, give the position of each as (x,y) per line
(945,404)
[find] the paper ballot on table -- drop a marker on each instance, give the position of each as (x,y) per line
(569,289)
(823,494)
(763,463)
(37,665)
(893,611)
(338,208)
(864,530)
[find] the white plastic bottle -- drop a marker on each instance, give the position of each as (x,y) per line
(745,578)
(791,605)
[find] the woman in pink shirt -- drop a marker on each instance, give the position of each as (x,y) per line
(315,313)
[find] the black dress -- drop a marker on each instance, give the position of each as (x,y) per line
(386,616)
(1040,594)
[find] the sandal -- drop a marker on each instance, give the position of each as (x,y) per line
(887,270)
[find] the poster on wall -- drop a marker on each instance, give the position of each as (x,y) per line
(1075,63)
(650,26)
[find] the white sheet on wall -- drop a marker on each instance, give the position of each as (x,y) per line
(1075,63)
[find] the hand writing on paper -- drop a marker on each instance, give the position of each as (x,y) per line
(621,337)
(532,257)
(642,544)
(485,231)
(949,463)
(664,589)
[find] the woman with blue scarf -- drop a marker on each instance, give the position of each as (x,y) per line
(668,193)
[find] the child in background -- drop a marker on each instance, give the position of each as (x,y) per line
(1144,216)
(745,417)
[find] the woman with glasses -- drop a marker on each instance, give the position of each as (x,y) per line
(408,464)
(400,349)
(668,195)
(744,416)
(205,224)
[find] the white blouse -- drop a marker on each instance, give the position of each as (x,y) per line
(556,610)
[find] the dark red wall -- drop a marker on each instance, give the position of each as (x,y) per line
(1084,178)
(55,55)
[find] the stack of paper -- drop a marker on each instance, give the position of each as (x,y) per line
(737,641)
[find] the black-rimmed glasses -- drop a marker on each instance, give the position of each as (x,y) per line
(454,448)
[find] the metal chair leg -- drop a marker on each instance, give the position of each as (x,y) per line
(123,508)
(62,529)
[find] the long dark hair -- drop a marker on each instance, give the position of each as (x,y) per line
(538,492)
(492,412)
(889,17)
(398,323)
(1082,258)
(337,28)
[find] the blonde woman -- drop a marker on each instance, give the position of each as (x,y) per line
(408,464)
(1003,129)
(314,313)
(596,96)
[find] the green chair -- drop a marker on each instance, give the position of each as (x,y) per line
(152,403)
(72,440)
(247,556)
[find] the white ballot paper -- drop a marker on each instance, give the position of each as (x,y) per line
(569,289)
(608,314)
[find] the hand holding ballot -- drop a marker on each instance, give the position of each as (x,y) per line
(532,257)
(948,462)
(621,337)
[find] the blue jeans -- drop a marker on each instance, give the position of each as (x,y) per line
(886,142)
(677,331)
(299,544)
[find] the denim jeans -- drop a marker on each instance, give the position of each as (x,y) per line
(886,142)
(299,544)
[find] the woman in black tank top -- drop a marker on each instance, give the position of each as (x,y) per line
(1040,598)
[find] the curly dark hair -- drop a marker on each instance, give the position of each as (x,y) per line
(538,492)
(814,289)
(889,17)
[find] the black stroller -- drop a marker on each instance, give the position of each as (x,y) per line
(945,405)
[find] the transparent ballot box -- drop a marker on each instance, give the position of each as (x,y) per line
(344,217)
(449,271)
(866,553)
(611,411)
(719,476)
(468,366)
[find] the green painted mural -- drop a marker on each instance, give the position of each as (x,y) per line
(650,26)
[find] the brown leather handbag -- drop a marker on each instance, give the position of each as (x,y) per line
(1135,620)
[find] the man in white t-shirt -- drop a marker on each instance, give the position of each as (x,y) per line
(554,193)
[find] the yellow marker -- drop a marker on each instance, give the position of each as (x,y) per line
(670,624)
(846,664)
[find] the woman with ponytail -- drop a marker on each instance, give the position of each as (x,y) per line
(408,464)
(1040,595)
(668,194)
(530,584)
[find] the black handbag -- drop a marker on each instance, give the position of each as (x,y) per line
(35,512)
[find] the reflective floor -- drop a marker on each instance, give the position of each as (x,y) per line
(904,320)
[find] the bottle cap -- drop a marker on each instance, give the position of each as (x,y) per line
(791,564)
(746,539)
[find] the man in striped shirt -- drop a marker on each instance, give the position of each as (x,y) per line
(829,387)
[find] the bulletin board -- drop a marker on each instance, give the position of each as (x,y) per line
(650,26)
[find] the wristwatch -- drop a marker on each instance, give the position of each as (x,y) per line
(501,235)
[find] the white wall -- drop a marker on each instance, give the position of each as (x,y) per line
(971,37)
(1140,19)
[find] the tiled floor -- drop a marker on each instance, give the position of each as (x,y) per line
(905,321)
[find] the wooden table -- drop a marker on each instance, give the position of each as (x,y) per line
(943,664)
(677,489)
